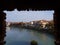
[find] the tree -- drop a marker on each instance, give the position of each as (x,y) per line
(33,42)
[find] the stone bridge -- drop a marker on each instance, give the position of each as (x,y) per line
(10,5)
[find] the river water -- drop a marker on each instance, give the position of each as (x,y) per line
(21,36)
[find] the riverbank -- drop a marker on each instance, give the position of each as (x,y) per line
(40,30)
(49,31)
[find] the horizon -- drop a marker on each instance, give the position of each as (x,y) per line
(27,16)
(29,21)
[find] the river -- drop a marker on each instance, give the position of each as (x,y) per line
(21,36)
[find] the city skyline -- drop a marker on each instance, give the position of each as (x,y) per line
(26,16)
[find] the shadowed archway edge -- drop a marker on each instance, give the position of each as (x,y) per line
(10,5)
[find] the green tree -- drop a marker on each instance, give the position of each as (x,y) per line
(33,42)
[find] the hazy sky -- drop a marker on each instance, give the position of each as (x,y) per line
(18,16)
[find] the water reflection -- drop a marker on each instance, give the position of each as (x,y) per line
(45,39)
(20,36)
(7,28)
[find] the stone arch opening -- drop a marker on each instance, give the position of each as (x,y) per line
(37,5)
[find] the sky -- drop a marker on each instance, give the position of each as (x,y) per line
(26,16)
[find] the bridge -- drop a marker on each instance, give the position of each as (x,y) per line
(10,5)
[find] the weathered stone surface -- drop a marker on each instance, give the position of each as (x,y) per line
(10,5)
(2,27)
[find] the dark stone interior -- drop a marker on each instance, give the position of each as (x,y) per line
(10,5)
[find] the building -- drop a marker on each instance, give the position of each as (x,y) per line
(43,22)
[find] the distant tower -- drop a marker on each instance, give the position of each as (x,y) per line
(8,24)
